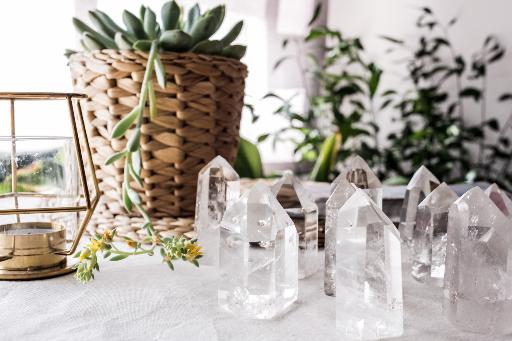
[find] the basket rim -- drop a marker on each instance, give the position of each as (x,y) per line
(169,54)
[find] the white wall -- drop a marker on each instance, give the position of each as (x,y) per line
(477,18)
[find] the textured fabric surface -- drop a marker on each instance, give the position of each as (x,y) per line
(140,299)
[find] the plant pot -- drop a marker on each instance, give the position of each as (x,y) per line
(198,118)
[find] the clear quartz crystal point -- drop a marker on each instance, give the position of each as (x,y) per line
(478,277)
(338,197)
(369,302)
(218,185)
(429,239)
(360,174)
(305,217)
(500,199)
(258,256)
(422,183)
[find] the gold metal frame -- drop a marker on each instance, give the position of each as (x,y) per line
(73,99)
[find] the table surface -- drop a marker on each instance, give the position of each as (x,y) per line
(140,299)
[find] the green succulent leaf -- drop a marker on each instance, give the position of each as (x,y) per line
(218,14)
(134,196)
(193,16)
(90,42)
(122,126)
(171,14)
(134,25)
(134,141)
(160,72)
(208,47)
(126,198)
(114,157)
(122,41)
(150,24)
(152,101)
(142,12)
(142,45)
(232,34)
(101,39)
(68,53)
(175,40)
(234,51)
(96,20)
(107,21)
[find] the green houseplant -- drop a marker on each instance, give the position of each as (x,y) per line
(164,98)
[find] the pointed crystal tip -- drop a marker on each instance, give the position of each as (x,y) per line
(424,180)
(442,196)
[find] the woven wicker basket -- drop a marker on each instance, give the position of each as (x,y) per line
(198,118)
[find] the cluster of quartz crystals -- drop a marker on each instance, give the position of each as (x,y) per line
(305,218)
(357,174)
(478,276)
(218,186)
(369,303)
(421,184)
(258,256)
(429,238)
(360,174)
(500,199)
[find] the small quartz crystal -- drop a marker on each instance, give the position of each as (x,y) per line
(339,196)
(478,276)
(422,183)
(500,199)
(218,185)
(369,302)
(429,239)
(258,256)
(304,213)
(360,174)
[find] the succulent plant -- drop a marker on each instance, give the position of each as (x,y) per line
(175,33)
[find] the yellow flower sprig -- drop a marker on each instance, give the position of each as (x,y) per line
(171,249)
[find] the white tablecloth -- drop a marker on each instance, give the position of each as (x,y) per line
(140,299)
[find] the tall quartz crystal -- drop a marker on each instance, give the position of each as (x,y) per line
(360,174)
(368,272)
(478,277)
(304,213)
(421,184)
(429,238)
(500,199)
(258,256)
(218,185)
(339,196)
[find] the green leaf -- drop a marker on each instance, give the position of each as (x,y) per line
(373,82)
(171,14)
(90,42)
(232,34)
(193,16)
(122,42)
(114,157)
(107,21)
(327,158)
(248,161)
(122,126)
(68,53)
(160,72)
(118,258)
(101,39)
(316,14)
(134,25)
(150,24)
(135,176)
(175,40)
(142,45)
(152,101)
(218,14)
(95,19)
(234,51)
(126,198)
(201,30)
(134,141)
(134,196)
(136,162)
(208,47)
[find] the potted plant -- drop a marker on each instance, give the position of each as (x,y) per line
(163,100)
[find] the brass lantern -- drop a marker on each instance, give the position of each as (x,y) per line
(48,192)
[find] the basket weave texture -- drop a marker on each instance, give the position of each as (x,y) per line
(198,118)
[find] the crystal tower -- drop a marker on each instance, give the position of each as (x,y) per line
(258,257)
(500,199)
(218,185)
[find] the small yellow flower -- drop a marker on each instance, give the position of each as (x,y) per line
(107,236)
(96,245)
(84,254)
(131,243)
(193,251)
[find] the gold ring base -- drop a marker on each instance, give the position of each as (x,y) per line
(27,275)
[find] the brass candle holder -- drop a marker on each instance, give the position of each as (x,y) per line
(48,192)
